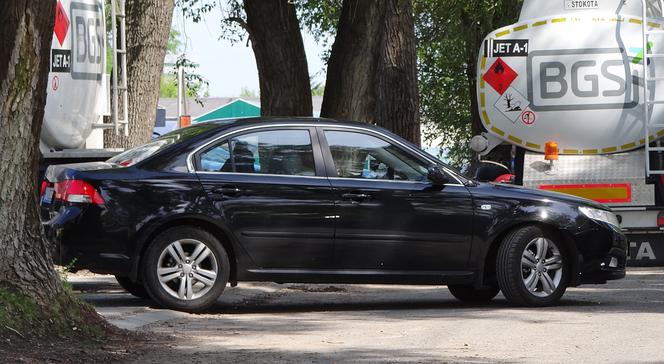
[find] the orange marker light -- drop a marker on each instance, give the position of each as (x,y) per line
(551,151)
(185,121)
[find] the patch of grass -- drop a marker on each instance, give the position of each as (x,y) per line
(65,316)
(17,311)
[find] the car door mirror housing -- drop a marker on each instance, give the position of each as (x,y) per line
(437,177)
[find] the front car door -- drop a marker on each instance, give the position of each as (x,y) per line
(270,189)
(389,216)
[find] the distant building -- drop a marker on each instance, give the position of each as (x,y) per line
(223,107)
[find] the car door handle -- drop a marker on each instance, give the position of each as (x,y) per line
(220,192)
(356,196)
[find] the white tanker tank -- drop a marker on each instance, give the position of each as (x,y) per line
(570,71)
(77,93)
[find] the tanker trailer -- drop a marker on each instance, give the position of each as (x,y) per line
(80,93)
(573,86)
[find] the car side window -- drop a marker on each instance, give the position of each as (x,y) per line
(217,159)
(358,155)
(282,152)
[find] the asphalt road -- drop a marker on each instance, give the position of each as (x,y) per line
(621,322)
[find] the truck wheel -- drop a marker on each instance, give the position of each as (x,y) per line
(468,293)
(186,269)
(532,267)
(133,288)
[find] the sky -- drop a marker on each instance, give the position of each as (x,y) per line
(230,67)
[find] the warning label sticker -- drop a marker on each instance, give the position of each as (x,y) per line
(500,76)
(60,60)
(528,117)
(511,104)
(61,26)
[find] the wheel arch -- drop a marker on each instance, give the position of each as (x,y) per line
(488,263)
(217,231)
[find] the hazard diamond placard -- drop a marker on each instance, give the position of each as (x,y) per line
(61,23)
(500,76)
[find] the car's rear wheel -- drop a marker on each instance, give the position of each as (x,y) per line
(132,287)
(532,267)
(468,293)
(186,268)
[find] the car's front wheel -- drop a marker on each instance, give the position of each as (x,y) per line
(532,267)
(468,293)
(186,268)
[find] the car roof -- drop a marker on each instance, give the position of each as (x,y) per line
(227,123)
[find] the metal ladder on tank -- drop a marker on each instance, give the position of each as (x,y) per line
(120,118)
(119,98)
(648,124)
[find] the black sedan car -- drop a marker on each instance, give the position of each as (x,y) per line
(317,201)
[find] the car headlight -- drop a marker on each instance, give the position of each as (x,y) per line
(600,215)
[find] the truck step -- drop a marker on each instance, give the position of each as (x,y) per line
(655,149)
(661,78)
(655,55)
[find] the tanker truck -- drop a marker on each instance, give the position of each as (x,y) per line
(574,86)
(81,95)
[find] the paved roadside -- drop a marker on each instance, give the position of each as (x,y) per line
(619,322)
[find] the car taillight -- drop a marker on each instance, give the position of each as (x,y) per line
(77,191)
(43,188)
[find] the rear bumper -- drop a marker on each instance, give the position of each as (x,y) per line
(78,241)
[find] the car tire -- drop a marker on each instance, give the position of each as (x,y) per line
(186,269)
(532,267)
(134,288)
(468,293)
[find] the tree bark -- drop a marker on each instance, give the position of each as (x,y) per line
(26,29)
(372,72)
(148,27)
(396,77)
(283,73)
(349,88)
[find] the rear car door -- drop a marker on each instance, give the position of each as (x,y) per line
(269,186)
(390,217)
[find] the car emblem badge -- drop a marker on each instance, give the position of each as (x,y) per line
(485,207)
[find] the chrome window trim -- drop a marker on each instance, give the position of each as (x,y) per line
(190,156)
(259,174)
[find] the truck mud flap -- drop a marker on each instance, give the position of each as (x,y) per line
(645,250)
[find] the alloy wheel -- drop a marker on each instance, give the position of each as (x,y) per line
(187,269)
(541,267)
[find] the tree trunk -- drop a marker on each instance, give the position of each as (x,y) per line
(349,88)
(397,98)
(372,72)
(27,29)
(283,72)
(148,27)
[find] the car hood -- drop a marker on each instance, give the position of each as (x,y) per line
(534,194)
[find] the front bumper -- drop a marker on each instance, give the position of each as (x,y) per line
(602,254)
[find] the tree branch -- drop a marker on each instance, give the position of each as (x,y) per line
(242,23)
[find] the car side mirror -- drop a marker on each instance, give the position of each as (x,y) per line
(437,177)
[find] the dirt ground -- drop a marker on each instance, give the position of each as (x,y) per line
(621,322)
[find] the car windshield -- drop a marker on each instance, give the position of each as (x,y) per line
(132,156)
(449,169)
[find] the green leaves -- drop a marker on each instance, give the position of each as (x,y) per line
(449,35)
